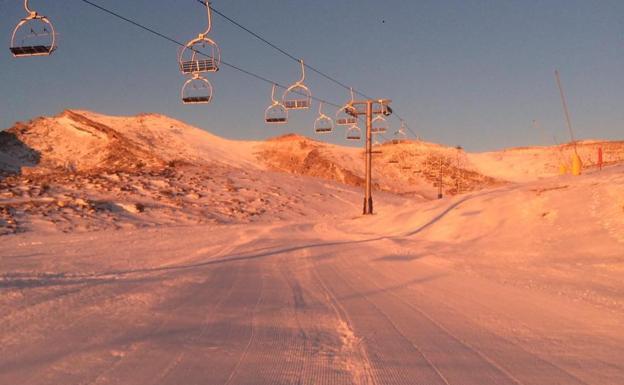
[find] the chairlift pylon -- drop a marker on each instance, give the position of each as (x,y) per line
(345,115)
(298,96)
(34,35)
(354,133)
(197,90)
(323,124)
(193,59)
(276,113)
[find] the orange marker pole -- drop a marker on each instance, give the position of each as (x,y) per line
(600,158)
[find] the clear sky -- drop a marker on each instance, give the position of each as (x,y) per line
(474,73)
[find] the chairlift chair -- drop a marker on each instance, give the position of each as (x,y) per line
(375,148)
(197,90)
(34,35)
(323,124)
(400,134)
(201,54)
(298,96)
(346,115)
(379,125)
(276,113)
(343,118)
(354,133)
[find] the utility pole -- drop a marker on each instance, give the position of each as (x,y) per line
(566,111)
(440,189)
(368,194)
(458,169)
(368,109)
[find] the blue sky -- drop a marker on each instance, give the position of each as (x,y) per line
(474,73)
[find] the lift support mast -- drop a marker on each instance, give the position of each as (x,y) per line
(369,109)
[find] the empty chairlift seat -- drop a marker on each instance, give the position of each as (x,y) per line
(354,133)
(379,125)
(401,134)
(323,129)
(345,117)
(297,104)
(197,90)
(277,120)
(196,99)
(298,96)
(192,66)
(323,124)
(276,113)
(34,50)
(201,54)
(34,35)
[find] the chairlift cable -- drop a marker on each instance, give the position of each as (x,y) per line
(284,52)
(293,57)
(181,44)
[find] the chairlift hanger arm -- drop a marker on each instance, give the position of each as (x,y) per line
(302,72)
(28,10)
(209,11)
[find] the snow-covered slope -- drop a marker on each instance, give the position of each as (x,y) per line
(83,141)
(141,250)
(86,141)
(152,169)
(404,167)
(530,163)
(81,171)
(173,140)
(517,285)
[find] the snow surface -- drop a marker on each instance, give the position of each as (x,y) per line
(219,262)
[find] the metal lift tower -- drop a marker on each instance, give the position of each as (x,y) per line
(369,109)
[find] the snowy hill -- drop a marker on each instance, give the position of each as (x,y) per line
(86,141)
(531,163)
(83,170)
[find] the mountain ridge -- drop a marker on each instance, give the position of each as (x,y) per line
(85,141)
